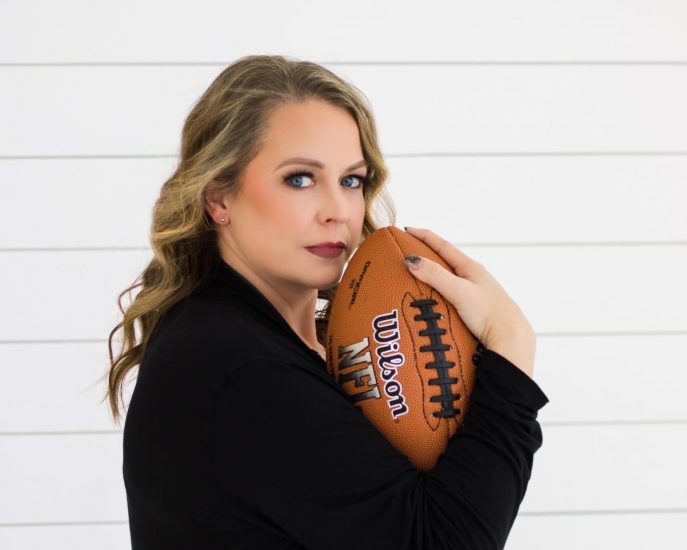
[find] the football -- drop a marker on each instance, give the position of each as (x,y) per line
(399,350)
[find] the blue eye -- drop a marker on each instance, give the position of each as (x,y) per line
(361,180)
(288,177)
(298,174)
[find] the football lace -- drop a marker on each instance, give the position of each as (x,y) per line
(440,363)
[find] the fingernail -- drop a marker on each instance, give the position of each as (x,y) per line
(413,261)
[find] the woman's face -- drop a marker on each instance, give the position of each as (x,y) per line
(287,205)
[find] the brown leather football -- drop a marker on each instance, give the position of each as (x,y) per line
(399,349)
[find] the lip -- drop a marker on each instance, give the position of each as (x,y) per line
(338,244)
(327,250)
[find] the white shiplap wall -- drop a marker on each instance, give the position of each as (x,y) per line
(546,139)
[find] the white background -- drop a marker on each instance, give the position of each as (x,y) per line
(546,139)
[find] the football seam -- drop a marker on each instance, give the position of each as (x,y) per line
(393,239)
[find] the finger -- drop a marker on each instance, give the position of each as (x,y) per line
(459,261)
(440,278)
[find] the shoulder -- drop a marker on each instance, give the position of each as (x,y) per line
(196,330)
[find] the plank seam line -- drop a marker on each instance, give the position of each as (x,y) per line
(544,424)
(65,523)
(406,63)
(538,334)
(605,512)
(522,513)
(388,155)
(552,244)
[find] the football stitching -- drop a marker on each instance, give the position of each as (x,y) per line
(441,363)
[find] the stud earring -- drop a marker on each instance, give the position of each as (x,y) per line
(221,220)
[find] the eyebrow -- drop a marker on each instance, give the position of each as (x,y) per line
(315,163)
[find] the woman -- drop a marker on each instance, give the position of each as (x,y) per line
(236,436)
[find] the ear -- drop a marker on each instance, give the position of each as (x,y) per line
(216,203)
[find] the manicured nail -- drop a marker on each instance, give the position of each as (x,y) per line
(413,261)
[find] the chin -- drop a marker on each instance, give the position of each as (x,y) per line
(323,283)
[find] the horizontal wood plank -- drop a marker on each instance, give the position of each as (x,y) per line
(55,295)
(667,531)
(436,30)
(419,109)
(470,200)
(588,380)
(567,532)
(607,468)
(66,537)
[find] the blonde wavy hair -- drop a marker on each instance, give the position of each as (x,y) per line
(222,133)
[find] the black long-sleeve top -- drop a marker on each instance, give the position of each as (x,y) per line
(237,437)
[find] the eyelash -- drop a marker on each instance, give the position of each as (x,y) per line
(363,179)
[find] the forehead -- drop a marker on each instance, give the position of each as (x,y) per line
(307,128)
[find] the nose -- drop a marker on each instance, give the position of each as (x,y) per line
(335,204)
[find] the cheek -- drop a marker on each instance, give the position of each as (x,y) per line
(274,209)
(361,209)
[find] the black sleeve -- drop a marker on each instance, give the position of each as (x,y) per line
(299,453)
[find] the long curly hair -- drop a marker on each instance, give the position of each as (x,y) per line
(222,133)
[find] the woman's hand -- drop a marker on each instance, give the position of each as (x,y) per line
(482,303)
